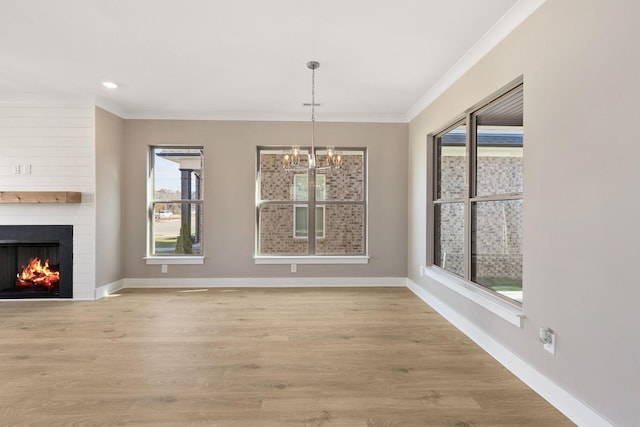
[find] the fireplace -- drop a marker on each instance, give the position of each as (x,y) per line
(36,261)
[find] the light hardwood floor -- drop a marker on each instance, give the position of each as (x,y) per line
(252,357)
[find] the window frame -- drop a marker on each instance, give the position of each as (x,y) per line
(174,258)
(470,199)
(312,257)
(434,201)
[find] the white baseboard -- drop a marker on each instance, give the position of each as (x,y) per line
(573,408)
(83,295)
(109,288)
(265,282)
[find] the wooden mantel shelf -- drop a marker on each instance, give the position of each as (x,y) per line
(40,197)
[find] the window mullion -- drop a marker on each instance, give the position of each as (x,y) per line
(470,177)
(431,183)
(497,197)
(311,211)
(450,200)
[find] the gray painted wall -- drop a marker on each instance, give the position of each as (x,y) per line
(580,61)
(229,209)
(109,236)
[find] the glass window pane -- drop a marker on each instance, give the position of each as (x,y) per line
(301,221)
(276,183)
(321,187)
(301,184)
(451,163)
(300,187)
(499,160)
(347,183)
(320,222)
(177,229)
(496,255)
(176,173)
(500,146)
(344,230)
(276,231)
(449,238)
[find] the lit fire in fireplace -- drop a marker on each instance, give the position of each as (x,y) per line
(36,274)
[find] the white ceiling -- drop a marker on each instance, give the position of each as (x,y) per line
(246,59)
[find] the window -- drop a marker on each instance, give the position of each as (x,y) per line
(477,198)
(175,201)
(300,220)
(284,200)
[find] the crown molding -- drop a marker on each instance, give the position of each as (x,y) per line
(263,116)
(109,106)
(514,17)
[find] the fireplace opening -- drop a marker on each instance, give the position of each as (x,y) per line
(36,261)
(39,275)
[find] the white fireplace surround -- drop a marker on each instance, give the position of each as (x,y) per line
(48,144)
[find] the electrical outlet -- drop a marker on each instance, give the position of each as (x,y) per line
(294,268)
(548,339)
(17,169)
(164,268)
(26,169)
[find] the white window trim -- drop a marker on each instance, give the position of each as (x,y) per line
(186,260)
(151,202)
(358,259)
(484,298)
(314,258)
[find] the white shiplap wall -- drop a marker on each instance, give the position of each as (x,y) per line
(56,138)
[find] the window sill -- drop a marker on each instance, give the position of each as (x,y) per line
(311,259)
(501,308)
(186,260)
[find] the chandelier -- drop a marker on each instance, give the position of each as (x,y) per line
(292,159)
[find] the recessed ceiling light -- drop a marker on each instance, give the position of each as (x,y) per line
(110,85)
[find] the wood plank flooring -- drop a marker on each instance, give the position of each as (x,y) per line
(252,357)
